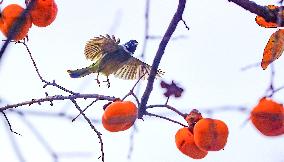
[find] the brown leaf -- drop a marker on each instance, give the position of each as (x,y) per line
(273,49)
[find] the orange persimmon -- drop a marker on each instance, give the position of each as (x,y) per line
(261,21)
(9,16)
(43,12)
(185,143)
(268,117)
(210,134)
(119,116)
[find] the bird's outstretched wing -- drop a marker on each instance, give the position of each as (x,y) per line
(135,69)
(98,46)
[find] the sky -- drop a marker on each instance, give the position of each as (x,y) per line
(207,62)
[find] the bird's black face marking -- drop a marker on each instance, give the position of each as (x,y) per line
(131,46)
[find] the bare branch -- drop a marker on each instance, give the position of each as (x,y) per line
(56,98)
(172,27)
(9,124)
(166,118)
(85,109)
(186,26)
(15,26)
(93,127)
(170,108)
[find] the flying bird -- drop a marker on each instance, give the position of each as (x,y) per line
(112,58)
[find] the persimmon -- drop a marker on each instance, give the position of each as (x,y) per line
(9,16)
(210,134)
(43,12)
(119,116)
(185,143)
(268,117)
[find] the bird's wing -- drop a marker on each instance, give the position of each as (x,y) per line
(135,69)
(99,46)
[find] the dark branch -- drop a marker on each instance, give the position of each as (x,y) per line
(15,26)
(57,97)
(268,15)
(166,118)
(93,127)
(9,124)
(172,27)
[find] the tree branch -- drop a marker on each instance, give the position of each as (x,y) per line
(268,15)
(172,27)
(15,26)
(57,97)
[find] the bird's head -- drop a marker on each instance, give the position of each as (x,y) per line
(130,46)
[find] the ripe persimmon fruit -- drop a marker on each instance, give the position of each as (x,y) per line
(210,134)
(268,117)
(119,116)
(185,143)
(9,16)
(43,12)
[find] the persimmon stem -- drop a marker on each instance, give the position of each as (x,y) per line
(170,108)
(166,118)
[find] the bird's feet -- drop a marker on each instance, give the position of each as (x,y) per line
(108,83)
(98,82)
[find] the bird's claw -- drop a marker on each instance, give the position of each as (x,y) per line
(108,83)
(98,82)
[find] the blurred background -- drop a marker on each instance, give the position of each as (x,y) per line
(206,61)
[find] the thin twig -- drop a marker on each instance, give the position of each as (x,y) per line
(93,128)
(146,28)
(131,92)
(47,83)
(60,115)
(15,145)
(85,109)
(9,124)
(166,118)
(170,108)
(186,26)
(57,98)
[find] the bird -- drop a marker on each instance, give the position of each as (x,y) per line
(110,57)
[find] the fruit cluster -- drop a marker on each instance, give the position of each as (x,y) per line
(202,135)
(42,14)
(268,117)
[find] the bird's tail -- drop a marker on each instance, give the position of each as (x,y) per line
(79,72)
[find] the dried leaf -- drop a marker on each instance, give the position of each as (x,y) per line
(273,49)
(171,89)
